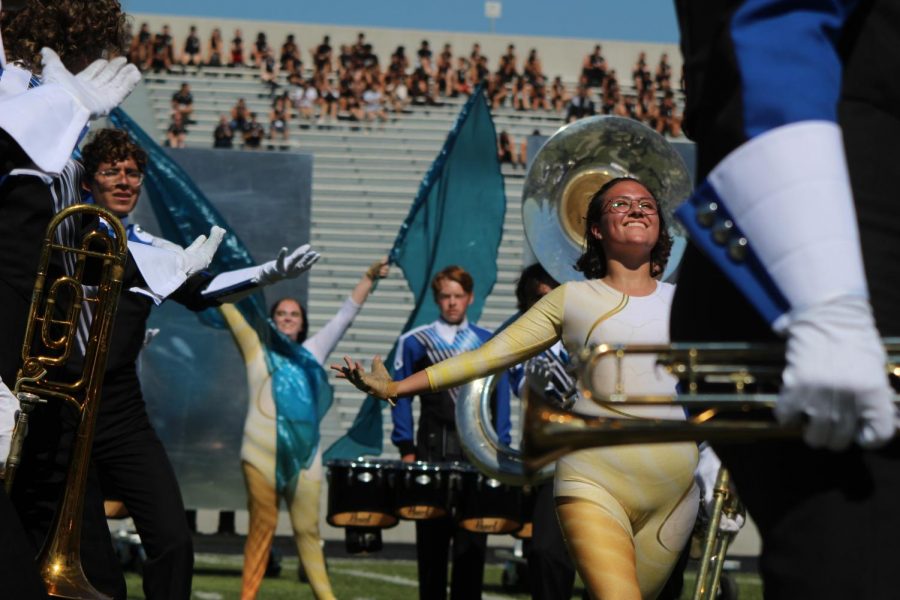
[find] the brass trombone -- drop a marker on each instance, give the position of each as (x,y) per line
(50,338)
(730,413)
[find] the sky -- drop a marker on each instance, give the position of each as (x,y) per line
(632,20)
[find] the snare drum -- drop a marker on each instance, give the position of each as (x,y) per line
(360,493)
(486,505)
(422,490)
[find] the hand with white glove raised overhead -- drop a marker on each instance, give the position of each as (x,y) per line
(705,477)
(101,87)
(836,381)
(199,254)
(9,407)
(286,266)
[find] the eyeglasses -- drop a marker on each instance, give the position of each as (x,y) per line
(623,204)
(133,176)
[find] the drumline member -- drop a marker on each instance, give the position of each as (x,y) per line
(437,439)
(260,461)
(806,175)
(627,511)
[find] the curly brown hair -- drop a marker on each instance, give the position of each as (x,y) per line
(111,146)
(80,31)
(593,261)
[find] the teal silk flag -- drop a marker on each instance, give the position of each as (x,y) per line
(456,219)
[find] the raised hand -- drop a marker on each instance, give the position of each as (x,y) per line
(101,87)
(287,266)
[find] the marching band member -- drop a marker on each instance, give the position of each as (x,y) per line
(437,439)
(276,442)
(793,107)
(626,511)
(131,462)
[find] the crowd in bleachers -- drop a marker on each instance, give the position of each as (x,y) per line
(352,83)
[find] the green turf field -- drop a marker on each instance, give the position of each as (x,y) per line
(219,578)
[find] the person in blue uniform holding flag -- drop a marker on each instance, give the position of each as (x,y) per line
(437,439)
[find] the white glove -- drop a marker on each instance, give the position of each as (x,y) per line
(705,476)
(835,381)
(286,266)
(101,87)
(198,255)
(9,407)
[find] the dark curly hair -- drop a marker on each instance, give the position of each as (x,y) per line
(593,260)
(304,329)
(527,287)
(110,146)
(80,31)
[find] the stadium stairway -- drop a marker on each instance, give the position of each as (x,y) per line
(367,176)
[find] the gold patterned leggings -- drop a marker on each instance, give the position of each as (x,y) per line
(304,510)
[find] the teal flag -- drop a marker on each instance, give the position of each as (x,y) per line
(456,219)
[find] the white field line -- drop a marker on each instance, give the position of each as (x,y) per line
(397,580)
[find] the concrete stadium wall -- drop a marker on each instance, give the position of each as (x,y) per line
(560,56)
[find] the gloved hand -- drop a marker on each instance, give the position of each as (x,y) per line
(378,269)
(835,382)
(377,383)
(9,407)
(705,476)
(199,254)
(101,87)
(286,266)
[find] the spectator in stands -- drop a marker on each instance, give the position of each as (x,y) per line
(223,136)
(279,119)
(289,52)
(628,107)
(236,51)
(506,67)
(345,60)
(640,74)
(539,97)
(240,116)
(668,123)
(176,133)
(648,106)
(559,96)
(305,99)
(183,102)
(191,53)
(506,150)
(609,102)
(215,49)
(523,148)
(321,57)
(373,103)
(593,68)
(141,49)
(359,48)
(461,84)
(294,70)
(368,58)
(533,70)
(663,72)
(328,98)
(399,64)
(611,83)
(253,133)
(580,106)
(162,53)
(397,92)
(424,59)
(522,93)
(268,72)
(444,68)
(497,91)
(480,71)
(260,50)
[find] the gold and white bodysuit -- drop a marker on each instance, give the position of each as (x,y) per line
(258,452)
(635,505)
